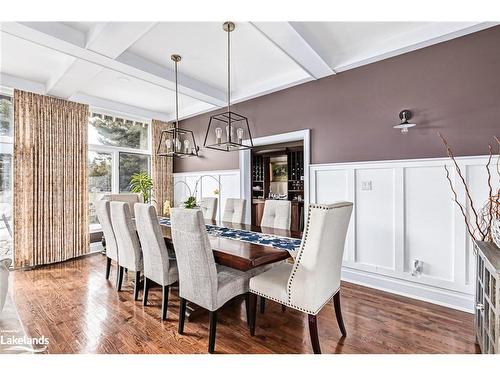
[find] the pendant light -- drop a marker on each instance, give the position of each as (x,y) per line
(177,142)
(227,130)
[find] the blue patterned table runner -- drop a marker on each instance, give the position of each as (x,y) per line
(278,242)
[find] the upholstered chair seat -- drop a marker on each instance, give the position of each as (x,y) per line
(277,214)
(234,211)
(103,211)
(208,206)
(129,249)
(314,278)
(159,267)
(201,281)
(130,198)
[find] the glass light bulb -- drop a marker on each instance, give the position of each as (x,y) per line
(168,143)
(186,146)
(178,145)
(218,135)
(239,133)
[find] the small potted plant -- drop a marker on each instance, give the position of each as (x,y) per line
(142,183)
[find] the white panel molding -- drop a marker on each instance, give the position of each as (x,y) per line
(289,40)
(453,290)
(448,298)
(208,178)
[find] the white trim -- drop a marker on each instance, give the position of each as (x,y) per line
(455,300)
(284,36)
(245,164)
(215,172)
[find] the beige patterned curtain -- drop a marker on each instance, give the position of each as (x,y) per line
(50,180)
(162,170)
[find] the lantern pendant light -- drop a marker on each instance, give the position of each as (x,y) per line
(177,142)
(226,131)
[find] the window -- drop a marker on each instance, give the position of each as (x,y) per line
(118,148)
(6,174)
(128,165)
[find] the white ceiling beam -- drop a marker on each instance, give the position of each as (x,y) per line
(190,87)
(109,39)
(285,37)
(10,81)
(15,82)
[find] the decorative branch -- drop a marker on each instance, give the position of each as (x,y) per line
(489,220)
(450,154)
(455,196)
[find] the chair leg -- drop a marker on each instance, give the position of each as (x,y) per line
(213,327)
(283,308)
(338,313)
(313,332)
(146,291)
(164,302)
(253,312)
(262,305)
(182,315)
(247,307)
(119,280)
(137,286)
(108,267)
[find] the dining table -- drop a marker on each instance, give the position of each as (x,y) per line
(237,253)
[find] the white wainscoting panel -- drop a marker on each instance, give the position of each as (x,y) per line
(205,183)
(404,210)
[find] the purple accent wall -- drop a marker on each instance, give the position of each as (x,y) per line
(451,87)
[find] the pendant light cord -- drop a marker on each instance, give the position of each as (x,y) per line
(176,98)
(228,68)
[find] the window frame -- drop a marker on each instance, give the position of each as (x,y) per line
(116,150)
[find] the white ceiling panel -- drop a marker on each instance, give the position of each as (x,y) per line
(117,87)
(256,62)
(345,45)
(30,61)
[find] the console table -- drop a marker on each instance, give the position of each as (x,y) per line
(487,320)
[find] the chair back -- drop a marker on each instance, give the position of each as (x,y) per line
(154,251)
(130,198)
(276,214)
(315,277)
(129,249)
(208,207)
(234,210)
(103,211)
(195,260)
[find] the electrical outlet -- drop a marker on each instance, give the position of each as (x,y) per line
(366,185)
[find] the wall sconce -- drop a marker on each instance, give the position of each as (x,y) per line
(404,125)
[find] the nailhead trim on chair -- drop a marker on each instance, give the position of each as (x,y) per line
(297,262)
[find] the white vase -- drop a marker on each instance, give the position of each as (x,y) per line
(4,281)
(495,232)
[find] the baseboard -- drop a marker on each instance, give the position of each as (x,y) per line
(447,298)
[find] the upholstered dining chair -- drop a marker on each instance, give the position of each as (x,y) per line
(130,198)
(129,249)
(201,281)
(208,206)
(314,278)
(234,210)
(103,211)
(158,267)
(276,214)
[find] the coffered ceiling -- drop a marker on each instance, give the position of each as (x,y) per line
(126,66)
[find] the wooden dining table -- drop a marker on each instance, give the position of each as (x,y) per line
(241,255)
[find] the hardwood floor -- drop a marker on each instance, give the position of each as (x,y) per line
(80,311)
